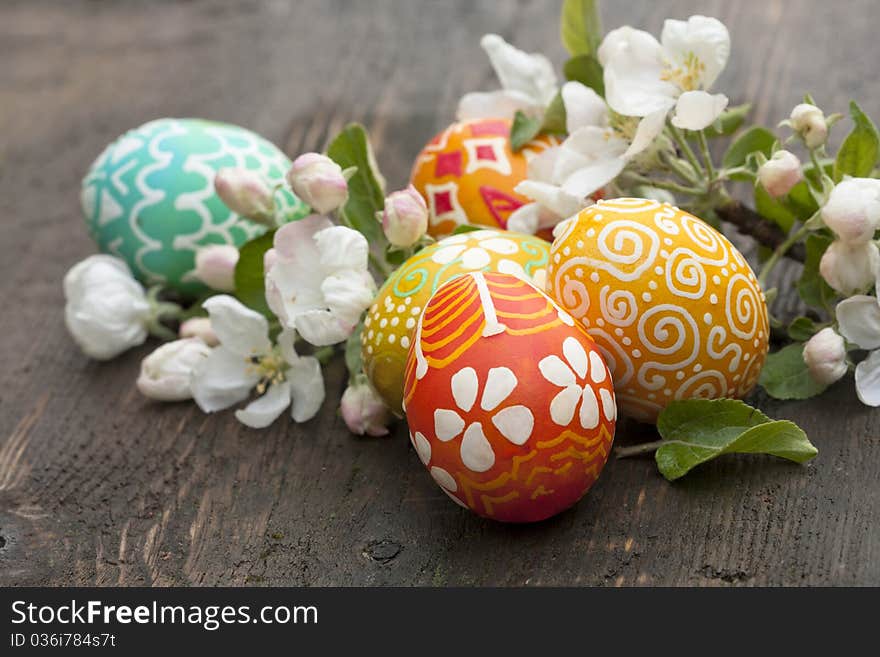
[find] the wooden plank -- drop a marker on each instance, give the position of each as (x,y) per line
(100,486)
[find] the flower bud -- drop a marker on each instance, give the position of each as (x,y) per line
(199,327)
(107,311)
(825,356)
(215,266)
(780,173)
(405,218)
(318,181)
(853,210)
(809,122)
(363,410)
(850,269)
(165,373)
(245,193)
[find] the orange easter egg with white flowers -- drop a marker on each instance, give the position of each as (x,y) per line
(468,172)
(674,307)
(509,403)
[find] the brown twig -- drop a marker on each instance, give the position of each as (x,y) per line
(749,222)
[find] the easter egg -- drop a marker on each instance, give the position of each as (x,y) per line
(149,197)
(390,322)
(467,174)
(509,403)
(672,304)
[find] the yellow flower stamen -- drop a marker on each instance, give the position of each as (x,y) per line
(269,367)
(688,75)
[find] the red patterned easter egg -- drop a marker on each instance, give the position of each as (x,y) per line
(509,402)
(467,174)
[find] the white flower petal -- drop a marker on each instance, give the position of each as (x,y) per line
(696,110)
(295,240)
(515,423)
(576,356)
(348,293)
(264,410)
(633,63)
(589,412)
(340,247)
(475,450)
(540,167)
(447,424)
(556,371)
(222,379)
(239,329)
(286,341)
(705,38)
(500,104)
(321,328)
(306,387)
(525,219)
(530,74)
(464,386)
(859,320)
(583,107)
(564,404)
(588,180)
(500,382)
(646,132)
(551,197)
(868,379)
(446,254)
(500,245)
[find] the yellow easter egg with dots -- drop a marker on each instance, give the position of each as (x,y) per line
(673,305)
(390,323)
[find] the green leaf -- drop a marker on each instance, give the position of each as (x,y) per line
(466,228)
(250,287)
(730,121)
(554,117)
(755,139)
(697,430)
(812,288)
(523,130)
(366,196)
(802,328)
(786,376)
(353,359)
(858,152)
(773,209)
(581,27)
(587,70)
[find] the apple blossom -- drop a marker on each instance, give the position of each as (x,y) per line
(363,410)
(809,122)
(858,319)
(246,359)
(850,268)
(643,76)
(106,310)
(528,84)
(246,193)
(405,217)
(199,327)
(853,210)
(780,173)
(318,181)
(317,280)
(825,356)
(165,373)
(215,266)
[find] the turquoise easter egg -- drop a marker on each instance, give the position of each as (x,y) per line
(149,197)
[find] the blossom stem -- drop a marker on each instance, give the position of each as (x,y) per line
(680,169)
(160,310)
(780,251)
(707,154)
(637,450)
(668,185)
(686,149)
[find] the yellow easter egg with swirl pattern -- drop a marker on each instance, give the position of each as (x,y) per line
(674,307)
(390,323)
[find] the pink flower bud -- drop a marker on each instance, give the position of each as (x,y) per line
(363,410)
(405,218)
(215,266)
(825,356)
(166,373)
(809,122)
(780,173)
(850,269)
(318,181)
(199,327)
(245,193)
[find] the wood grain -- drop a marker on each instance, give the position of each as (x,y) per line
(100,486)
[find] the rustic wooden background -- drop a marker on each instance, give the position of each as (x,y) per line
(100,486)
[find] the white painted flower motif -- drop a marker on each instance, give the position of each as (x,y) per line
(474,256)
(515,422)
(567,375)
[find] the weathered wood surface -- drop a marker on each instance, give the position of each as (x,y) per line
(100,486)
